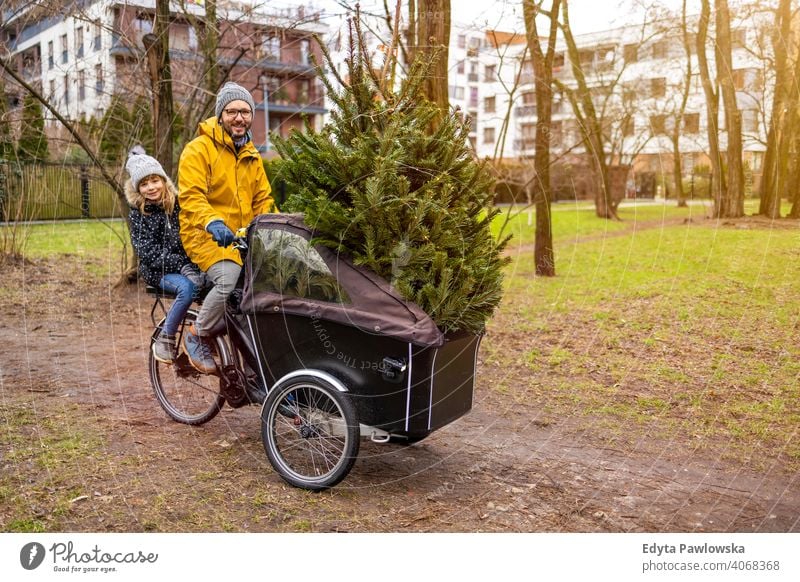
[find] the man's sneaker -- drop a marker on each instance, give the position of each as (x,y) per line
(164,348)
(198,352)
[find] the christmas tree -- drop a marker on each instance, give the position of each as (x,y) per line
(392,183)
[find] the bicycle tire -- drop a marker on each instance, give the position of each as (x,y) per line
(186,395)
(310,432)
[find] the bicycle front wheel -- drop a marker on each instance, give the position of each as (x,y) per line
(310,432)
(186,395)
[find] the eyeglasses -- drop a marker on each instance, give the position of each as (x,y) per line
(234,113)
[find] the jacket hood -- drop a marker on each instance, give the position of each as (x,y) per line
(135,198)
(213,129)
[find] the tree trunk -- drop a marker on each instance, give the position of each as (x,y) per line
(157,45)
(210,49)
(732,202)
(775,170)
(431,41)
(543,72)
(677,170)
(794,188)
(590,126)
(717,185)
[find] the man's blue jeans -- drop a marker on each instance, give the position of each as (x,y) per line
(184,291)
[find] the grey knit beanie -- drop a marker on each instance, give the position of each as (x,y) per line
(231,92)
(140,165)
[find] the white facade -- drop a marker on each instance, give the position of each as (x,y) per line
(645,71)
(69,58)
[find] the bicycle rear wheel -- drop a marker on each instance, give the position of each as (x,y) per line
(310,432)
(186,395)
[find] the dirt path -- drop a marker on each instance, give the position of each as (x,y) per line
(90,450)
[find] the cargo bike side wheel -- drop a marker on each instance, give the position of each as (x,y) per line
(185,394)
(310,430)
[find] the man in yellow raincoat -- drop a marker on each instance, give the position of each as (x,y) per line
(222,187)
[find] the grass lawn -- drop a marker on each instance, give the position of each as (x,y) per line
(669,325)
(682,328)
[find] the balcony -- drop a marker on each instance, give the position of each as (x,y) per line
(525,144)
(314,108)
(525,111)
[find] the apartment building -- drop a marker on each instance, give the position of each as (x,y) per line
(97,51)
(636,76)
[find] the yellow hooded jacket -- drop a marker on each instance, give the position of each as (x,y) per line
(216,183)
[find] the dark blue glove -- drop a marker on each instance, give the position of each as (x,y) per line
(220,233)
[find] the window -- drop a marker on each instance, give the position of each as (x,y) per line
(658,87)
(628,94)
(527,140)
(192,41)
(489,104)
(98,79)
(757,161)
(526,75)
(462,41)
(98,31)
(50,55)
(691,123)
(460,67)
(488,135)
(302,94)
(305,51)
(143,24)
(271,47)
(64,48)
(81,85)
(490,73)
(473,96)
(748,80)
(750,120)
(738,79)
(630,53)
(628,126)
(660,49)
(738,38)
(556,134)
(79,42)
(529,98)
(66,89)
(528,130)
(456,92)
(473,72)
(658,124)
(474,46)
(285,263)
(52,94)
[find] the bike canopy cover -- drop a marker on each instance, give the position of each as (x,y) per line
(285,273)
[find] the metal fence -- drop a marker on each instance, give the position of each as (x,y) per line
(53,192)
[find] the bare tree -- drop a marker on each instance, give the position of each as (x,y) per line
(732,202)
(712,106)
(776,158)
(157,45)
(543,71)
(678,120)
(428,38)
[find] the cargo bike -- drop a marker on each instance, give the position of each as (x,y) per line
(330,352)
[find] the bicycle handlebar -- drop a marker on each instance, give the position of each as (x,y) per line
(240,239)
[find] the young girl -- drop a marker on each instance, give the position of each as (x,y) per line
(156,238)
